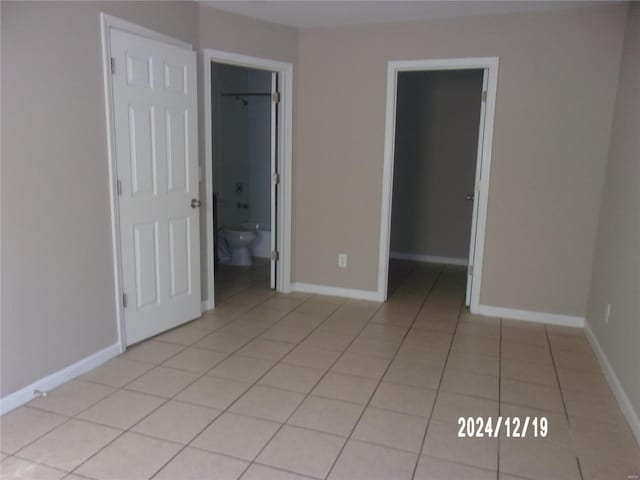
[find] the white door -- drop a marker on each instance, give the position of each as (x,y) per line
(476,192)
(274,178)
(154,105)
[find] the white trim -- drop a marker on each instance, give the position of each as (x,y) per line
(626,406)
(336,291)
(489,63)
(417,257)
(26,394)
(207,305)
(108,22)
(530,316)
(285,140)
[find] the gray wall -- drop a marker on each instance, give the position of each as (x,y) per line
(616,266)
(556,90)
(437,121)
(58,300)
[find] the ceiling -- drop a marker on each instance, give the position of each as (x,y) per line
(328,13)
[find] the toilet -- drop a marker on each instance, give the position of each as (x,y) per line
(239,240)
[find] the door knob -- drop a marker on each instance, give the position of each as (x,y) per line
(195,203)
(468,197)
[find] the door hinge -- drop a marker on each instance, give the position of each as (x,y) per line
(275,179)
(119,187)
(275,255)
(124,300)
(275,97)
(113,65)
(484,96)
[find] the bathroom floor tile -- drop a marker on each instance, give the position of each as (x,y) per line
(326,415)
(363,461)
(194,464)
(268,403)
(23,425)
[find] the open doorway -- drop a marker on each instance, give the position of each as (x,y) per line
(244,107)
(247,174)
(436,172)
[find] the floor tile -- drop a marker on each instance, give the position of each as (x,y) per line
(72,397)
(308,356)
(122,409)
(302,451)
(213,392)
(427,357)
(442,442)
(18,469)
(130,456)
(152,351)
(361,365)
(266,349)
(328,340)
(364,461)
(184,335)
(24,425)
(589,382)
(326,415)
(375,347)
(571,343)
(526,336)
(483,386)
(430,468)
(413,374)
(345,387)
(603,407)
(451,406)
(473,363)
(404,399)
(291,377)
(268,403)
(117,372)
(538,459)
(222,342)
(177,421)
(480,345)
(260,472)
(236,435)
(193,464)
(70,444)
(543,374)
(162,381)
(531,395)
(391,429)
(526,353)
(241,368)
(286,333)
(196,360)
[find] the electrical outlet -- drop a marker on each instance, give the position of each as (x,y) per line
(607,313)
(342,260)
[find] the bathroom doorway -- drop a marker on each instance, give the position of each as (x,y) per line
(248,152)
(435,189)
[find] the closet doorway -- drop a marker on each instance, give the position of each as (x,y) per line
(419,80)
(247,165)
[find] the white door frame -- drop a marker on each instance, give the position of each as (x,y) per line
(482,187)
(107,23)
(285,141)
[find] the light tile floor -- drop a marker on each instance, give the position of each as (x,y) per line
(293,387)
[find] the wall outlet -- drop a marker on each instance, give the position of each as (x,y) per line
(342,260)
(607,313)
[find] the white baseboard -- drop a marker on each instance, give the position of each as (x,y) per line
(626,406)
(24,395)
(429,258)
(530,316)
(336,291)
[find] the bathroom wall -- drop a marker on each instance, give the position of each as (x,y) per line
(259,155)
(437,121)
(243,161)
(234,148)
